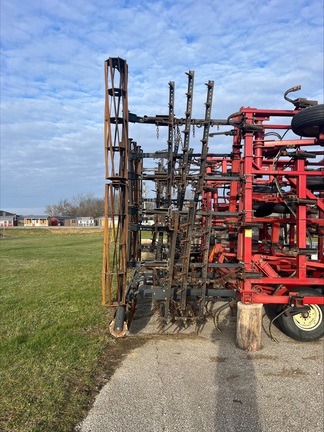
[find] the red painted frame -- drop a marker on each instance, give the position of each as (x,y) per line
(267,274)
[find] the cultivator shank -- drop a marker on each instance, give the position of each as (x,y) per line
(190,227)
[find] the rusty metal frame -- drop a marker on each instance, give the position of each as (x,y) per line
(114,274)
(211,234)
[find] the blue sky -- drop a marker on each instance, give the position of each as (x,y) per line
(52,80)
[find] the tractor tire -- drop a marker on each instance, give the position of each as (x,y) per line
(309,122)
(306,326)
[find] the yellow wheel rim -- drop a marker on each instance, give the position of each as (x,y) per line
(310,320)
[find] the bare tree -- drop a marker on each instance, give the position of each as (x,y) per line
(80,205)
(51,210)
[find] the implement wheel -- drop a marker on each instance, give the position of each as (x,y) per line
(309,122)
(118,327)
(306,326)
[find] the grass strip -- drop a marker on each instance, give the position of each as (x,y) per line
(53,329)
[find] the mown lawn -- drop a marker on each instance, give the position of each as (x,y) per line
(53,328)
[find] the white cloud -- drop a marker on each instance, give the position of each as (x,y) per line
(52,80)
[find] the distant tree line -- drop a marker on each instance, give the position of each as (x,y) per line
(79,205)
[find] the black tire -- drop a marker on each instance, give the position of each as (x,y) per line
(309,122)
(307,326)
(266,209)
(315,183)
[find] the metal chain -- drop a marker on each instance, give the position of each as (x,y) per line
(157,131)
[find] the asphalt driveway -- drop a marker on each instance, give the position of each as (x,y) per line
(187,382)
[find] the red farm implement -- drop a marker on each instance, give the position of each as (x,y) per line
(189,227)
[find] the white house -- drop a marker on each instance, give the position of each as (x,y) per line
(85,221)
(36,221)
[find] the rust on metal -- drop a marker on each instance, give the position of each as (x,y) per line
(188,226)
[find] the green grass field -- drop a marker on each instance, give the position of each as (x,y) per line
(53,328)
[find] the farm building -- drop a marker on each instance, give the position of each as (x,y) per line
(79,221)
(8,219)
(54,221)
(101,222)
(36,221)
(69,221)
(85,221)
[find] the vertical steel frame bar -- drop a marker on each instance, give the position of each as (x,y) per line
(116,148)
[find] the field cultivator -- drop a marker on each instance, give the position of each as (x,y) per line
(190,227)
